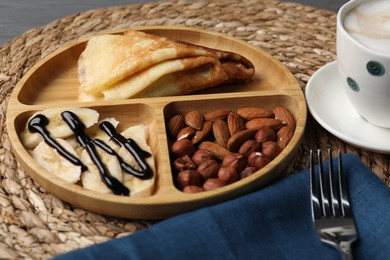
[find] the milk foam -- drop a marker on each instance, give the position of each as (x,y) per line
(369,24)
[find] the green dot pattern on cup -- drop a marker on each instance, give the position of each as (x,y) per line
(353,84)
(375,68)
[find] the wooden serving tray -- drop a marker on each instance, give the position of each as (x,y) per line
(53,83)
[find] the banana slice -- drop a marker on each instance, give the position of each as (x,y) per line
(54,163)
(57,127)
(141,131)
(30,140)
(91,178)
(96,133)
(72,141)
(138,187)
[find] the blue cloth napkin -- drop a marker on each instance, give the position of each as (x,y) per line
(272,223)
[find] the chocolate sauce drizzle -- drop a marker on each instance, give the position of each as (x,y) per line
(85,141)
(38,125)
(125,166)
(132,147)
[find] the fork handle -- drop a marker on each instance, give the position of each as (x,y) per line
(342,246)
(345,249)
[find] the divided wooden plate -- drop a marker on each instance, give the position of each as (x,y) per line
(53,82)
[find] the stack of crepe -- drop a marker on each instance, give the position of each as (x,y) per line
(137,64)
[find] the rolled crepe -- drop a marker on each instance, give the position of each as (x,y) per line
(136,64)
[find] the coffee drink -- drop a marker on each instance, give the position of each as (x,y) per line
(369,24)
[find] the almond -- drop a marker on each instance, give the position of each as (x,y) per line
(236,140)
(187,132)
(283,114)
(221,132)
(217,114)
(200,135)
(195,119)
(236,123)
(217,151)
(175,124)
(259,123)
(249,113)
(284,136)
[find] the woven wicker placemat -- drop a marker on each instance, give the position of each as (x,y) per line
(35,224)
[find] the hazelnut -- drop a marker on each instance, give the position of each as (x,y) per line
(192,189)
(265,134)
(257,160)
(235,160)
(208,169)
(202,155)
(228,174)
(184,163)
(270,149)
(212,184)
(189,178)
(183,147)
(248,171)
(249,146)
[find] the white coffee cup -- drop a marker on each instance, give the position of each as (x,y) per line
(363,58)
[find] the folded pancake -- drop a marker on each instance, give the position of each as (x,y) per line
(137,64)
(235,65)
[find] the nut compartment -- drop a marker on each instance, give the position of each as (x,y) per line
(184,150)
(46,85)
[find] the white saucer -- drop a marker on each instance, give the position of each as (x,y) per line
(330,106)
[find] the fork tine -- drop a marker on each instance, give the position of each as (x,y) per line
(334,186)
(345,206)
(315,202)
(324,189)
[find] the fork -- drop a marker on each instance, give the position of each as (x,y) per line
(331,209)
